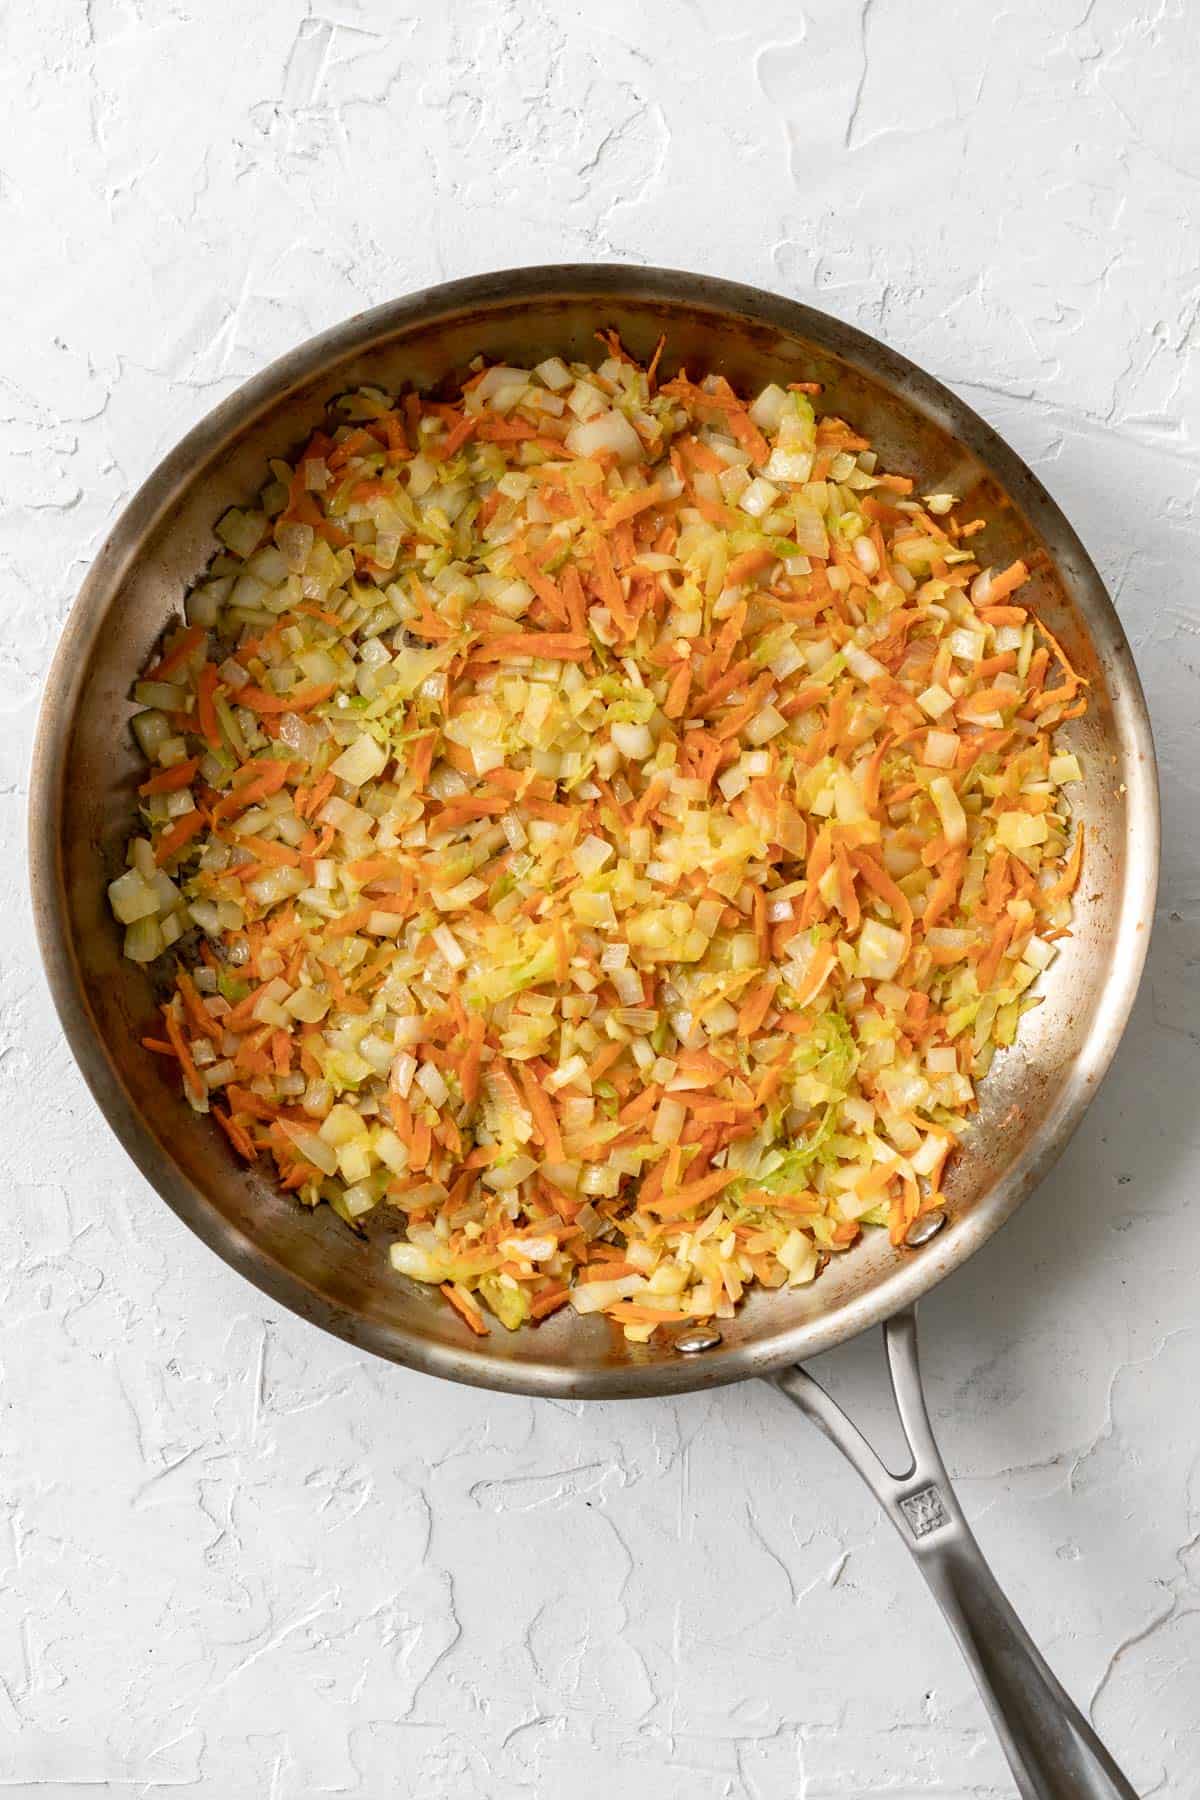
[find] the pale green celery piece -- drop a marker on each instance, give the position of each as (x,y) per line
(501,982)
(230,727)
(510,1304)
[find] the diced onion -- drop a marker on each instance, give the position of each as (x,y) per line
(668,1122)
(950,809)
(940,750)
(880,951)
(935,701)
(597,1296)
(633,741)
(132,898)
(361,762)
(610,432)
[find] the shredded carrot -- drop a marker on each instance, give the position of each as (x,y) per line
(191,1075)
(549,1300)
(207,683)
(675,704)
(1004,584)
(694,1193)
(750,562)
(819,971)
(179,835)
(1069,879)
(989,963)
(1003,615)
(563,646)
(185,645)
(257,700)
(465,1308)
(269,851)
(238,1136)
(198,1015)
(168,780)
(756,1006)
(631,504)
(544,1120)
(629,1314)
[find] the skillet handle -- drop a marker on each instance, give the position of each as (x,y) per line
(1052,1750)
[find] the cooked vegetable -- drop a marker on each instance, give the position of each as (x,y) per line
(609,826)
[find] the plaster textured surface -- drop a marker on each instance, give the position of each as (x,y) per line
(239,1561)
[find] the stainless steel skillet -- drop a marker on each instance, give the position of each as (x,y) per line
(85,768)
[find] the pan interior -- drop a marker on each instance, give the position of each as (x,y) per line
(86,770)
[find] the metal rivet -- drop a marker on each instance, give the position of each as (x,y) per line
(924,1228)
(702,1337)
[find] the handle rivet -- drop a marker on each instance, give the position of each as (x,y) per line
(702,1337)
(924,1228)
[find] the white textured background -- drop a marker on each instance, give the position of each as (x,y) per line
(241,1562)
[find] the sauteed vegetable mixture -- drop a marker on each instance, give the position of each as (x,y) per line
(603,827)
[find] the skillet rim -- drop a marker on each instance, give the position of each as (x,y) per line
(911,1277)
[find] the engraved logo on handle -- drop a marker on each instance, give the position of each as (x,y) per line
(925,1511)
